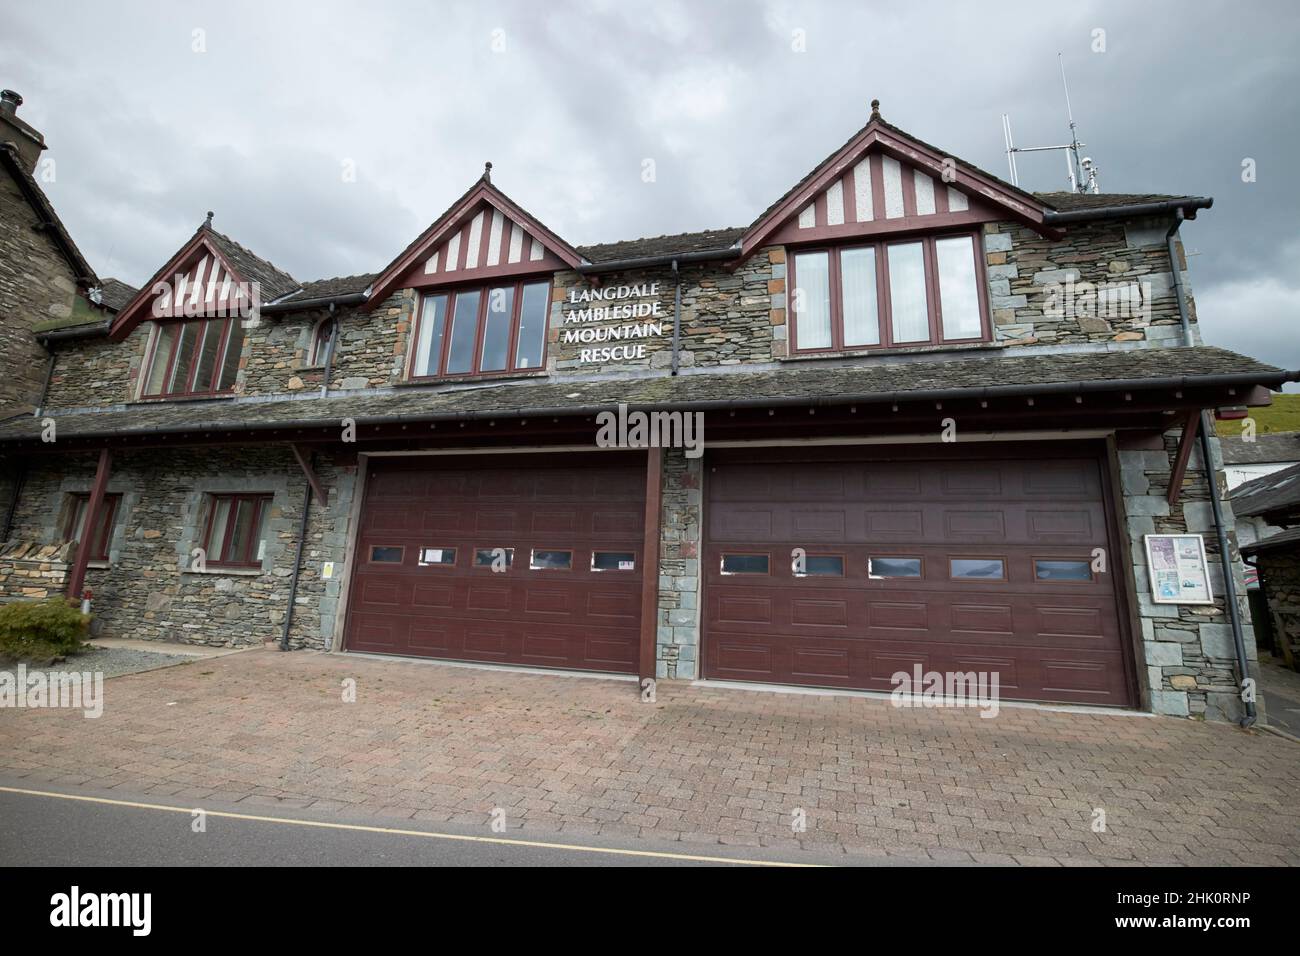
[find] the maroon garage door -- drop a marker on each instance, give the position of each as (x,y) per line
(954,561)
(512,560)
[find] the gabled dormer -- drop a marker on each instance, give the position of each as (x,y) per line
(482,273)
(199,306)
(884,245)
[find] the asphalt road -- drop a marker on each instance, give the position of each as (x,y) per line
(115,830)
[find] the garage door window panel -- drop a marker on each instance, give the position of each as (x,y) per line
(1063,570)
(387,554)
(613,561)
(735,563)
(820,565)
(977,569)
(885,567)
(437,557)
(494,557)
(546,559)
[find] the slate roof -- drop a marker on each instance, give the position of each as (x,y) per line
(952,378)
(1279,491)
(709,240)
(1283,539)
(1264,450)
(114,293)
(1073,202)
(329,288)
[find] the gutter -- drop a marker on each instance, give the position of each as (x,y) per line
(1186,206)
(1226,380)
(641,262)
(296,305)
(88,331)
(1216,499)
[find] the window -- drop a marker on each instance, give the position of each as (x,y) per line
(889,293)
(481,331)
(990,569)
(318,350)
(386,554)
(76,520)
(234,530)
(1061,570)
(437,557)
(821,565)
(613,561)
(545,560)
(194,358)
(744,564)
(891,567)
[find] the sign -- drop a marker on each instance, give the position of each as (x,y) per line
(1179,571)
(327,570)
(635,307)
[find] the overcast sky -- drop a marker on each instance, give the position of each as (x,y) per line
(155,113)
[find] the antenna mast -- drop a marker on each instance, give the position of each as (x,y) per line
(1082,171)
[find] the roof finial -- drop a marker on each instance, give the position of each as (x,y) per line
(487,172)
(875,109)
(207,223)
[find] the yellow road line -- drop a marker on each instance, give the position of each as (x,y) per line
(395,831)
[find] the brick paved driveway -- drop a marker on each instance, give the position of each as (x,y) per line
(583,756)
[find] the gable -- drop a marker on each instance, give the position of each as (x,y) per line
(484,235)
(884,180)
(199,281)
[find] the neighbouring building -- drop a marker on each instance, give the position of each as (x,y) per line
(942,420)
(1272,505)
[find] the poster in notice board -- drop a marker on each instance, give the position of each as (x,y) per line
(1180,573)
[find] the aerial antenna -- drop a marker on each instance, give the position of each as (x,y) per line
(1082,171)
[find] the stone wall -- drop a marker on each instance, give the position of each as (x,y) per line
(678,628)
(94,372)
(36,284)
(1188,650)
(1279,576)
(1039,289)
(150,587)
(32,571)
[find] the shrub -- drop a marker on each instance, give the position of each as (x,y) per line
(42,631)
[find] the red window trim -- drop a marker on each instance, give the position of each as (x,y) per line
(196,351)
(480,328)
(98,549)
(884,309)
(249,559)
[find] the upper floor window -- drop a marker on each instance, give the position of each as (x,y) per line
(75,523)
(198,357)
(888,294)
(318,349)
(482,330)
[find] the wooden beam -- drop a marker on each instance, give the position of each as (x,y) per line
(654,471)
(1191,422)
(77,579)
(316,487)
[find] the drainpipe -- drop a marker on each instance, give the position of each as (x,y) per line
(297,561)
(677,315)
(20,479)
(329,353)
(1216,501)
(45,387)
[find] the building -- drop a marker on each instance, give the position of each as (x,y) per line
(1272,505)
(939,417)
(1244,461)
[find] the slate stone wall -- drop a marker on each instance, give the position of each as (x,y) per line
(1188,653)
(678,627)
(150,589)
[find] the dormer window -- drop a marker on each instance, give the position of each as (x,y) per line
(199,357)
(888,294)
(482,330)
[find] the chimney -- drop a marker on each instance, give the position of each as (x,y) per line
(26,140)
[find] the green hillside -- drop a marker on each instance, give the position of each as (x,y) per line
(1282,416)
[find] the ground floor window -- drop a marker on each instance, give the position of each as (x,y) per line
(234,529)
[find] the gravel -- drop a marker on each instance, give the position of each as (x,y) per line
(116,661)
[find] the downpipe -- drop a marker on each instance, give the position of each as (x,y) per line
(677,316)
(1216,500)
(297,561)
